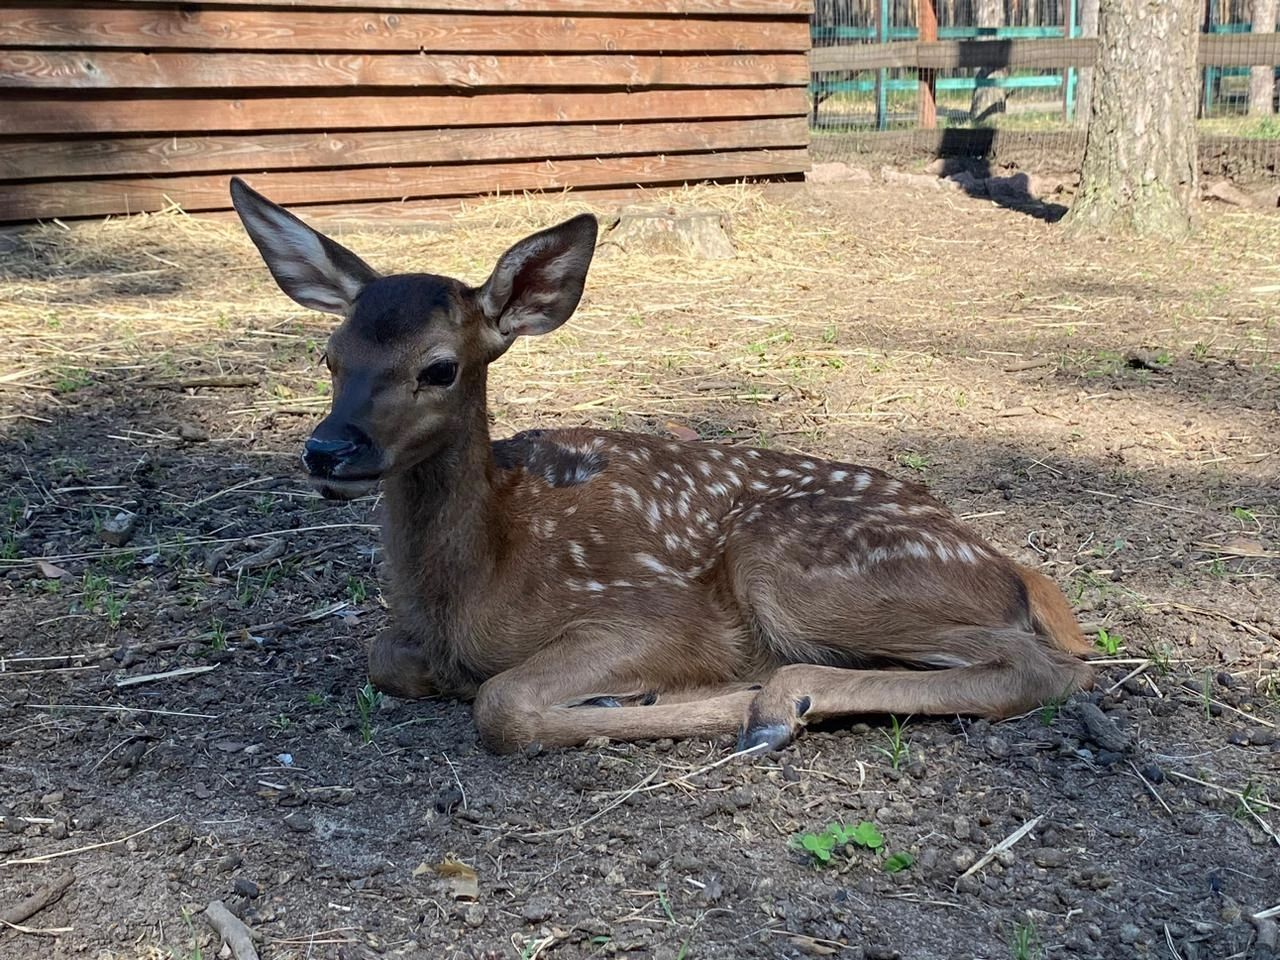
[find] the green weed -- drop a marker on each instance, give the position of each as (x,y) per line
(1025,943)
(1109,643)
(367,701)
(914,461)
(822,846)
(71,379)
(357,592)
(898,750)
(217,635)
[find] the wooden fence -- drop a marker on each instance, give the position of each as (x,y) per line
(120,107)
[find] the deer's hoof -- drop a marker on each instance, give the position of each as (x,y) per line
(772,727)
(764,737)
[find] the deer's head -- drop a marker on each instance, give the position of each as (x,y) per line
(409,358)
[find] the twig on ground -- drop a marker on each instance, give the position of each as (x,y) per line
(1000,847)
(1214,786)
(47,895)
(617,801)
(44,858)
(456,779)
(166,675)
(231,929)
(1151,789)
(37,931)
(115,709)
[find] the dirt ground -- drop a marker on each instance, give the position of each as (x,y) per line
(180,714)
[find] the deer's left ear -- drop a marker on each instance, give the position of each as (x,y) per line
(537,284)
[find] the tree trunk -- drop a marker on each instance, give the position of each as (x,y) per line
(1084,82)
(988,101)
(1262,78)
(1139,170)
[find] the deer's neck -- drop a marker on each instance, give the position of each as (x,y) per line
(440,535)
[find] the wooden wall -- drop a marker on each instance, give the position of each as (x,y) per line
(116,107)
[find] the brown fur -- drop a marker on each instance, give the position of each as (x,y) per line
(581,583)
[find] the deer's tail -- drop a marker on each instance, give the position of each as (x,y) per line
(1051,615)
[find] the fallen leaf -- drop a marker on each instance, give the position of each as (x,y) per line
(51,571)
(681,432)
(460,878)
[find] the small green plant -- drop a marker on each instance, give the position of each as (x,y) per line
(898,862)
(1248,804)
(822,846)
(1161,659)
(898,750)
(282,722)
(92,587)
(357,592)
(315,699)
(195,953)
(830,334)
(1049,711)
(217,635)
(914,461)
(1244,515)
(113,609)
(1109,643)
(1025,943)
(367,701)
(71,379)
(1218,568)
(264,503)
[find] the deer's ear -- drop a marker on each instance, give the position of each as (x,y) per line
(312,269)
(537,284)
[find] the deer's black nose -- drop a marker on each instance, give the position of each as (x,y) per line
(321,457)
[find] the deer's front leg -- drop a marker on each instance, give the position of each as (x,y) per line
(577,689)
(398,667)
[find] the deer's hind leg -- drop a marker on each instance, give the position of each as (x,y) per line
(999,673)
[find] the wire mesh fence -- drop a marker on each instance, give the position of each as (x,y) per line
(1010,81)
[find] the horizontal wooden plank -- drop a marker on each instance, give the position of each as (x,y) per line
(722,8)
(1239,49)
(407,214)
(1047,53)
(220,28)
(78,198)
(44,116)
(97,70)
(46,159)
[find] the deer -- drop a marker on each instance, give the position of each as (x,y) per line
(577,584)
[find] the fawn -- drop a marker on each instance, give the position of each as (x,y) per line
(582,583)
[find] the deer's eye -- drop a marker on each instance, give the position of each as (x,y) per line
(438,374)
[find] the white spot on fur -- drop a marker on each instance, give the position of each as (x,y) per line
(578,553)
(917,550)
(861,481)
(838,475)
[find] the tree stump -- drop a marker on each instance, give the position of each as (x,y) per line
(665,230)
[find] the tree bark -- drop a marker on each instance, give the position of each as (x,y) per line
(1139,170)
(988,101)
(1084,81)
(1262,78)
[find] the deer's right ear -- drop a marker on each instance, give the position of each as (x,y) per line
(312,269)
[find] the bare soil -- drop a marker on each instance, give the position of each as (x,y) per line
(1105,411)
